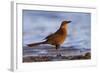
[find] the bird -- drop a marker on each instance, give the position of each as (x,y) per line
(57,38)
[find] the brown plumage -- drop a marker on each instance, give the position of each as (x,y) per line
(56,38)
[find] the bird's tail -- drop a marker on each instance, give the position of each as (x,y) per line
(35,44)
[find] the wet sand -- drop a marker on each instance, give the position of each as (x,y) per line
(44,53)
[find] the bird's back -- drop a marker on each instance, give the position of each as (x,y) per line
(57,38)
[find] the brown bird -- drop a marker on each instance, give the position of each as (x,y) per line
(56,38)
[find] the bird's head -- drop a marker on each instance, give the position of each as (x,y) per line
(64,24)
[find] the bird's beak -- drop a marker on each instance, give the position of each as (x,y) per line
(69,21)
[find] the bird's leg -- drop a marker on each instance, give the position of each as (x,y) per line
(57,49)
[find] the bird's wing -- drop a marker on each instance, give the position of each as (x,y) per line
(49,36)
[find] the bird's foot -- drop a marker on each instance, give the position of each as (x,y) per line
(58,55)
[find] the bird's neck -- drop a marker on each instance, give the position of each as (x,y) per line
(64,28)
(63,31)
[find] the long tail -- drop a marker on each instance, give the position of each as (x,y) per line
(35,44)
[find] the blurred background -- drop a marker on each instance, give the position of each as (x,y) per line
(39,24)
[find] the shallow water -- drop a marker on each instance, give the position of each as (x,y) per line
(51,51)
